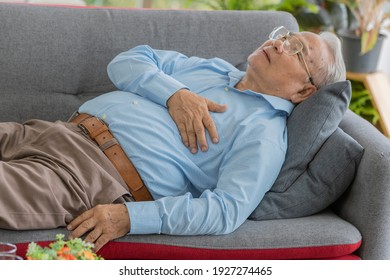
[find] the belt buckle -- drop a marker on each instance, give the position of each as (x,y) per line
(79,125)
(83,129)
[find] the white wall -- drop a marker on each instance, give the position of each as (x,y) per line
(384,59)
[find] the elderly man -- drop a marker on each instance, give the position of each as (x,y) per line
(120,161)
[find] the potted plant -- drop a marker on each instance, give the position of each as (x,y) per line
(357,22)
(362,40)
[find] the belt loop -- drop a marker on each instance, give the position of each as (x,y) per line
(108,144)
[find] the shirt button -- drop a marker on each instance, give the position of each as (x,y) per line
(135,102)
(226,89)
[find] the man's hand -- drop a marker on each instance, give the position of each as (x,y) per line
(103,222)
(191,113)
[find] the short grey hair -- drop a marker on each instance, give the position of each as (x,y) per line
(331,71)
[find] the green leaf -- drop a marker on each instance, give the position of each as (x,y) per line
(361,103)
(369,39)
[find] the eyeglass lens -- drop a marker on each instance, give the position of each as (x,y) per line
(291,45)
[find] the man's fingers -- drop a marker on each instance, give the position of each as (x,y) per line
(83,228)
(211,128)
(208,122)
(103,222)
(193,131)
(200,134)
(193,145)
(93,235)
(77,221)
(183,134)
(102,240)
(215,107)
(191,114)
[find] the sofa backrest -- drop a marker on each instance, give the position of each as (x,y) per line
(53,58)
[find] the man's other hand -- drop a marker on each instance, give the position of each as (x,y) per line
(103,222)
(191,113)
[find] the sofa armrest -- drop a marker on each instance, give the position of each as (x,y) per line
(366,203)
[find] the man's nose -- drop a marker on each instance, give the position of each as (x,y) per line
(278,45)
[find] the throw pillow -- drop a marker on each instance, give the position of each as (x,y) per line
(325,179)
(309,125)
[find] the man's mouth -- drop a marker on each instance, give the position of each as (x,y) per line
(266,55)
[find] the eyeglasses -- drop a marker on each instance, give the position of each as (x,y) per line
(291,45)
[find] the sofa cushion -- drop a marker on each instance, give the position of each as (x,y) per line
(321,236)
(326,178)
(314,174)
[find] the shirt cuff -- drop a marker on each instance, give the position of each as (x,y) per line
(144,217)
(160,94)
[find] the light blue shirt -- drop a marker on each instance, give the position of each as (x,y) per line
(204,193)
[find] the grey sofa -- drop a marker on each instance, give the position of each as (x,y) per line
(53,58)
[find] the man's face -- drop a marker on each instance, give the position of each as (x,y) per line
(282,74)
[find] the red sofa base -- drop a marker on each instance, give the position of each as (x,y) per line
(146,251)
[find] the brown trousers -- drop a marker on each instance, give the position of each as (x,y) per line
(50,173)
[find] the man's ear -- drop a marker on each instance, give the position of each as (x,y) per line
(305,93)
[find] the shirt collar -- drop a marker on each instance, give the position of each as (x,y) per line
(277,102)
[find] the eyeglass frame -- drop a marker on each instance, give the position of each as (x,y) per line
(298,51)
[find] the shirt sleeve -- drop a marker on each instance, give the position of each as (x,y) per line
(247,174)
(147,72)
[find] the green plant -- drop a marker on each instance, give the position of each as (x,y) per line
(361,103)
(303,10)
(74,249)
(365,18)
(227,4)
(292,6)
(369,17)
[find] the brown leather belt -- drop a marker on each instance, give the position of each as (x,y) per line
(99,132)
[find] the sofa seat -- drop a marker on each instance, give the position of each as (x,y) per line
(321,236)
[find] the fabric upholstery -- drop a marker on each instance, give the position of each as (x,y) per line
(310,179)
(366,203)
(325,179)
(54,58)
(64,62)
(320,236)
